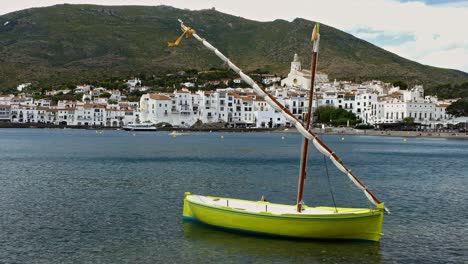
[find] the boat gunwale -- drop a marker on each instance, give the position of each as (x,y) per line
(370,213)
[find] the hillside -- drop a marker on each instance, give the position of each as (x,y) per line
(76,43)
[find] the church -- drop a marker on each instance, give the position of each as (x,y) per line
(300,78)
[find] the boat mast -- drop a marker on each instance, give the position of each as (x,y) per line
(308,120)
(276,105)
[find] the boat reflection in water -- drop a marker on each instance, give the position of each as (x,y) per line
(208,239)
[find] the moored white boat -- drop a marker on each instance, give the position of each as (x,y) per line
(176,134)
(140,127)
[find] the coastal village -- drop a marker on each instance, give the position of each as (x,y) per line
(373,102)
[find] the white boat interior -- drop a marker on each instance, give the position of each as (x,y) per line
(263,206)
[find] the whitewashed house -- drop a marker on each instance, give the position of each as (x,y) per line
(156,108)
(5,113)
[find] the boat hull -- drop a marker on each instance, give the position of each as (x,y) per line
(365,224)
(139,129)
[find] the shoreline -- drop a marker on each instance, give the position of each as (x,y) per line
(388,133)
(329,131)
(50,126)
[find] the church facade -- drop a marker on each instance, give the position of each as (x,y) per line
(300,78)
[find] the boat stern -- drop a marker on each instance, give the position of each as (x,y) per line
(187,214)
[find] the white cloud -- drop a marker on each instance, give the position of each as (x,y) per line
(430,34)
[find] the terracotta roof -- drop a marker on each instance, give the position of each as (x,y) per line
(180,91)
(94,106)
(442,105)
(235,95)
(5,106)
(159,97)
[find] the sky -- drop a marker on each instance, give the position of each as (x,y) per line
(432,32)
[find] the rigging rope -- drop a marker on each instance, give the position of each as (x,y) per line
(329,183)
(324,157)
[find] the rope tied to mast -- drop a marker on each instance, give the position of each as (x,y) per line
(187,32)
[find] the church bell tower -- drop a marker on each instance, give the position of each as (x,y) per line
(296,64)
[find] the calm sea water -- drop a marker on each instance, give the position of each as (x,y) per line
(75,196)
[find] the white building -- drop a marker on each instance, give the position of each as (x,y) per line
(178,109)
(188,84)
(267,117)
(411,103)
(5,113)
(23,86)
(134,83)
(300,78)
(82,88)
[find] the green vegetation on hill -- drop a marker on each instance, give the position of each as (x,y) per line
(459,108)
(449,90)
(66,44)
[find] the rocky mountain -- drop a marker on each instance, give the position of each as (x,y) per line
(76,43)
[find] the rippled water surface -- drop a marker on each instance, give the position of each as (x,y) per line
(77,196)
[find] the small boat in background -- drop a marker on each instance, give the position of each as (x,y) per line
(140,127)
(176,134)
